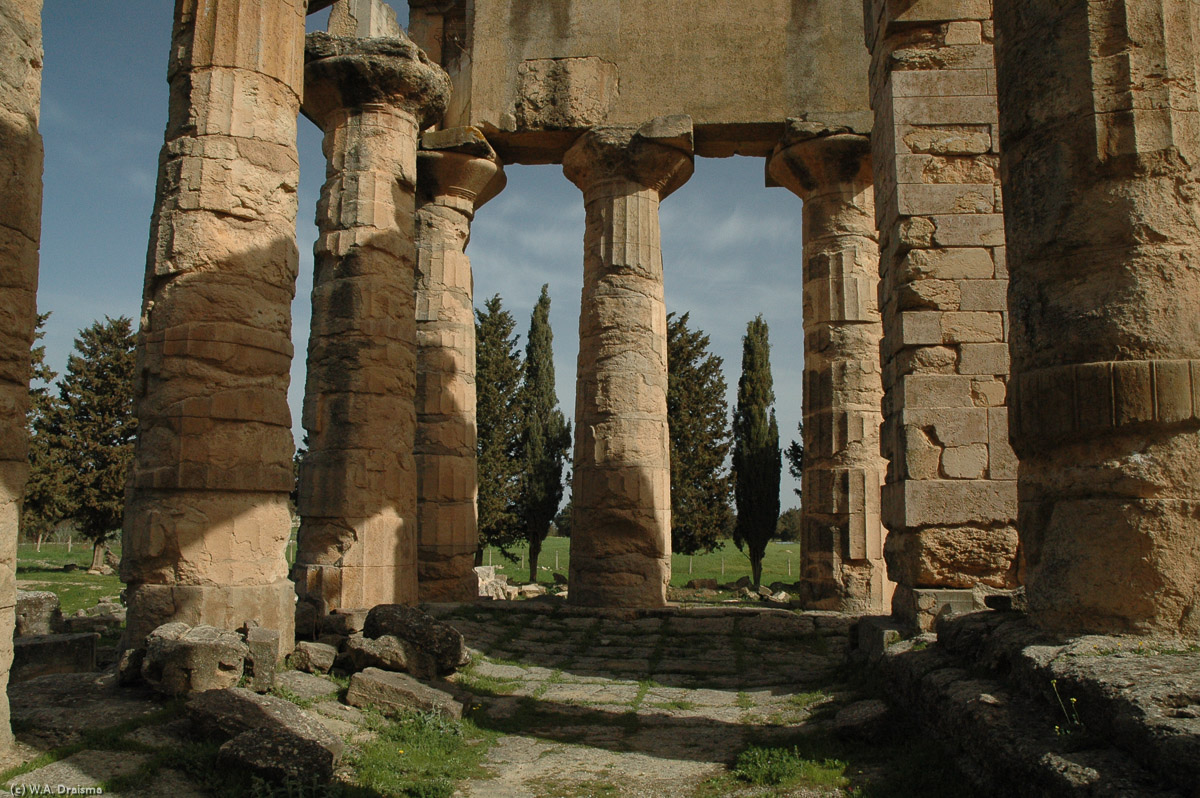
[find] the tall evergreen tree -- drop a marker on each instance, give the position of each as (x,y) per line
(756,456)
(795,457)
(95,426)
(698,416)
(498,419)
(45,502)
(546,435)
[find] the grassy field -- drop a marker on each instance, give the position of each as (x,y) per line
(781,563)
(76,589)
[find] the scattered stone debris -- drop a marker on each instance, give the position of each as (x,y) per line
(387,652)
(438,639)
(37,613)
(397,692)
(180,659)
(313,657)
(703,584)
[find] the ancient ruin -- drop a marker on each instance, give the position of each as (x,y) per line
(1001,219)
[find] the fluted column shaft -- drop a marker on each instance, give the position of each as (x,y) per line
(207,519)
(842,563)
(358,485)
(621,535)
(1100,164)
(20,233)
(458,173)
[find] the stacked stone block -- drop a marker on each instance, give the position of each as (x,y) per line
(207,518)
(950,498)
(1100,110)
(358,481)
(20,234)
(621,533)
(457,172)
(841,548)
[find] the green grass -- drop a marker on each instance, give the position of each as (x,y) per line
(76,589)
(422,756)
(702,566)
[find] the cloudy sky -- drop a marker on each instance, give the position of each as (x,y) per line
(731,247)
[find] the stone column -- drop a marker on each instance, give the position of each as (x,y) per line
(1101,167)
(358,482)
(621,532)
(20,232)
(457,172)
(207,518)
(950,499)
(842,545)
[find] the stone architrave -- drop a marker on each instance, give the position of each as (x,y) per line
(20,233)
(842,563)
(949,502)
(621,533)
(358,482)
(1101,169)
(457,172)
(207,519)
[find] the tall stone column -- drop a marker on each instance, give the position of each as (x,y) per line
(207,519)
(20,233)
(949,502)
(358,481)
(1101,165)
(457,173)
(621,532)
(842,563)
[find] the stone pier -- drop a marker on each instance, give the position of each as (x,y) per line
(842,563)
(457,173)
(358,481)
(20,233)
(207,518)
(1101,167)
(949,502)
(621,533)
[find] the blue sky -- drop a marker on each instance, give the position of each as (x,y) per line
(731,248)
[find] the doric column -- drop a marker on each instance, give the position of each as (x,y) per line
(20,232)
(457,172)
(842,545)
(621,533)
(207,519)
(1101,167)
(358,481)
(950,501)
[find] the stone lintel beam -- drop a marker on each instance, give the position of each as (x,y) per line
(621,542)
(457,172)
(842,563)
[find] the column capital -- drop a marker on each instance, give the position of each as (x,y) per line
(806,161)
(344,73)
(658,155)
(457,167)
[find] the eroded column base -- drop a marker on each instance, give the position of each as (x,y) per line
(625,581)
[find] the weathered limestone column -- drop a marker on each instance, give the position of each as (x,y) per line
(950,499)
(20,233)
(207,518)
(358,482)
(1101,166)
(621,534)
(457,173)
(842,563)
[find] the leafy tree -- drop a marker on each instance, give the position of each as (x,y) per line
(788,528)
(498,418)
(562,521)
(756,456)
(699,431)
(795,457)
(95,426)
(545,437)
(45,503)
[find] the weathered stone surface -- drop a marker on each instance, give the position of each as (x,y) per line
(862,720)
(181,660)
(312,657)
(388,653)
(306,686)
(41,655)
(1102,214)
(433,637)
(457,173)
(621,539)
(262,659)
(399,692)
(358,481)
(37,613)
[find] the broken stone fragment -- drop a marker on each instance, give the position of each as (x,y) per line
(263,660)
(313,657)
(38,613)
(387,652)
(399,692)
(181,660)
(440,640)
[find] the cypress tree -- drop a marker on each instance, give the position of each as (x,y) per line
(756,456)
(45,502)
(498,419)
(795,457)
(698,416)
(546,436)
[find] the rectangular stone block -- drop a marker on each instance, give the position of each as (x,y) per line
(948,502)
(957,426)
(941,110)
(984,358)
(43,655)
(1002,461)
(972,327)
(984,295)
(943,83)
(969,230)
(935,390)
(948,264)
(945,198)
